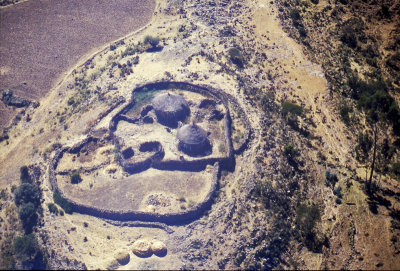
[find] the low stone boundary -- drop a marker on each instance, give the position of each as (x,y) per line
(151,219)
(156,225)
(170,219)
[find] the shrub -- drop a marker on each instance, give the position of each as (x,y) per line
(28,216)
(306,218)
(385,11)
(75,177)
(396,169)
(348,37)
(63,203)
(290,151)
(24,176)
(295,15)
(128,51)
(27,192)
(393,61)
(291,109)
(302,31)
(236,57)
(221,148)
(330,179)
(26,247)
(344,111)
(152,41)
(338,192)
(363,147)
(71,101)
(52,208)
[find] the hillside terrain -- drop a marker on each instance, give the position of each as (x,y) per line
(309,174)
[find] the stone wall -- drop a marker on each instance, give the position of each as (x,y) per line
(182,165)
(119,215)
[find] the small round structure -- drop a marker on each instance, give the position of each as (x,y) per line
(159,248)
(193,140)
(122,257)
(170,109)
(142,248)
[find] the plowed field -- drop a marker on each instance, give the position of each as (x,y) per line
(41,39)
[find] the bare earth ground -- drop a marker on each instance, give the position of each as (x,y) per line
(41,39)
(358,239)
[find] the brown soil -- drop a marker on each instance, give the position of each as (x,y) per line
(37,46)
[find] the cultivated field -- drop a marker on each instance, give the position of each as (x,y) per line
(37,46)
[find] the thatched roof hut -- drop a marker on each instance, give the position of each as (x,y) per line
(170,109)
(193,140)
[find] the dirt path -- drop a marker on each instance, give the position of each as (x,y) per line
(37,46)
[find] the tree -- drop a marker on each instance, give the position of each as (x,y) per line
(75,177)
(381,110)
(62,202)
(28,216)
(27,192)
(26,247)
(24,176)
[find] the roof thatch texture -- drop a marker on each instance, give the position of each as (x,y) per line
(191,134)
(169,103)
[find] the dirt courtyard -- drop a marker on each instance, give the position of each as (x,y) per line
(36,47)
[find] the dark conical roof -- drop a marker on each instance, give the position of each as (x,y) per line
(169,103)
(191,134)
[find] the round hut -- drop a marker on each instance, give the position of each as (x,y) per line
(193,140)
(170,109)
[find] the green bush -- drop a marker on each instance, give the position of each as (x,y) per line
(28,216)
(75,177)
(24,175)
(338,192)
(236,57)
(302,31)
(290,151)
(52,208)
(295,14)
(291,109)
(27,192)
(331,179)
(306,218)
(344,111)
(128,51)
(152,41)
(26,247)
(63,203)
(349,37)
